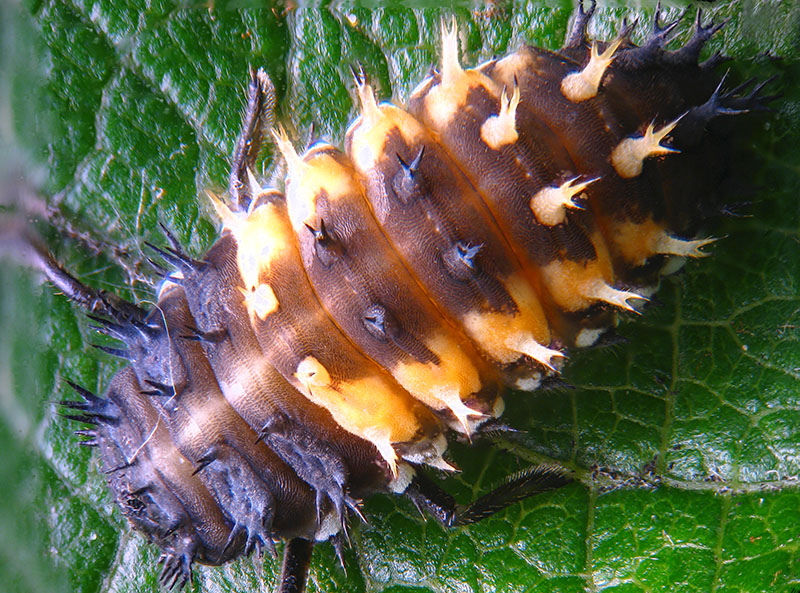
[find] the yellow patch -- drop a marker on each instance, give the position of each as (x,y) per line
(317,174)
(578,285)
(262,237)
(370,407)
(305,177)
(446,99)
(260,302)
(637,242)
(506,337)
(507,68)
(311,373)
(368,136)
(442,386)
(442,103)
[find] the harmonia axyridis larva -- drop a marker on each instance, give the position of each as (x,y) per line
(337,332)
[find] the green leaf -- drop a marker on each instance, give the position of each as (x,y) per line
(686,439)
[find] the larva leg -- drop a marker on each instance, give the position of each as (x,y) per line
(294,570)
(518,487)
(427,496)
(259,116)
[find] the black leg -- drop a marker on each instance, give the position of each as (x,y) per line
(259,115)
(296,560)
(520,486)
(427,496)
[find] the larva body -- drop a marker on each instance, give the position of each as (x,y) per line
(527,296)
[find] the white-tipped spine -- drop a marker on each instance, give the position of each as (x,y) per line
(583,85)
(451,66)
(550,203)
(629,155)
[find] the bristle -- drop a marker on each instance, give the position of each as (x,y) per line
(117,352)
(175,258)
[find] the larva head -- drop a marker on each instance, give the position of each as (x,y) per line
(152,483)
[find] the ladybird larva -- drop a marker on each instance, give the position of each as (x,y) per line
(464,253)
